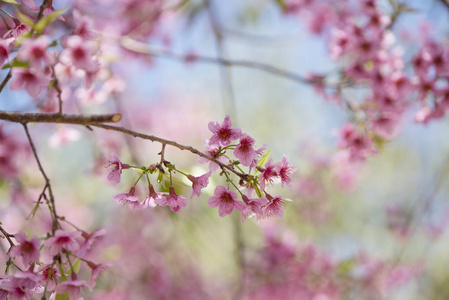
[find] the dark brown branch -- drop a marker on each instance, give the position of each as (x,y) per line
(25,118)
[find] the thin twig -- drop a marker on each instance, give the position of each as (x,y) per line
(171,143)
(143,48)
(5,81)
(7,236)
(47,181)
(58,90)
(24,118)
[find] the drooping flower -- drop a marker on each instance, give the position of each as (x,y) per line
(128,198)
(90,239)
(245,151)
(274,207)
(115,168)
(72,286)
(225,200)
(284,170)
(17,31)
(268,174)
(173,200)
(28,249)
(224,133)
(199,183)
(150,200)
(96,270)
(62,240)
(253,206)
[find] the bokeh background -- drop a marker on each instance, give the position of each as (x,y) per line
(375,230)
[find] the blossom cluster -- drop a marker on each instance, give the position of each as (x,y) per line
(251,185)
(50,266)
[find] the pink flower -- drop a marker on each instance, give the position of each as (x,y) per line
(96,270)
(20,285)
(62,240)
(284,171)
(16,32)
(73,287)
(150,200)
(173,200)
(223,134)
(245,151)
(47,10)
(115,168)
(90,239)
(50,274)
(225,200)
(128,198)
(253,206)
(275,207)
(199,183)
(4,51)
(83,26)
(212,151)
(80,53)
(64,136)
(359,145)
(268,174)
(28,249)
(32,80)
(35,51)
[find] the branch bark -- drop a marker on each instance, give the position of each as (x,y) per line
(24,118)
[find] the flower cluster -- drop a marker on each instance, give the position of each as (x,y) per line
(251,185)
(50,266)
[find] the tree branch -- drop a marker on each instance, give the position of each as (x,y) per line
(143,48)
(171,143)
(24,118)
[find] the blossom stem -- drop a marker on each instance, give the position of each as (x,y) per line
(7,236)
(138,179)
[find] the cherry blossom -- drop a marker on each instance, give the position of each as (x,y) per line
(225,200)
(173,200)
(199,183)
(62,240)
(28,249)
(30,79)
(115,168)
(224,133)
(128,198)
(245,151)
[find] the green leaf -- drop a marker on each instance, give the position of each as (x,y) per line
(64,296)
(48,19)
(264,159)
(160,176)
(140,170)
(281,3)
(16,63)
(76,265)
(11,1)
(24,19)
(346,266)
